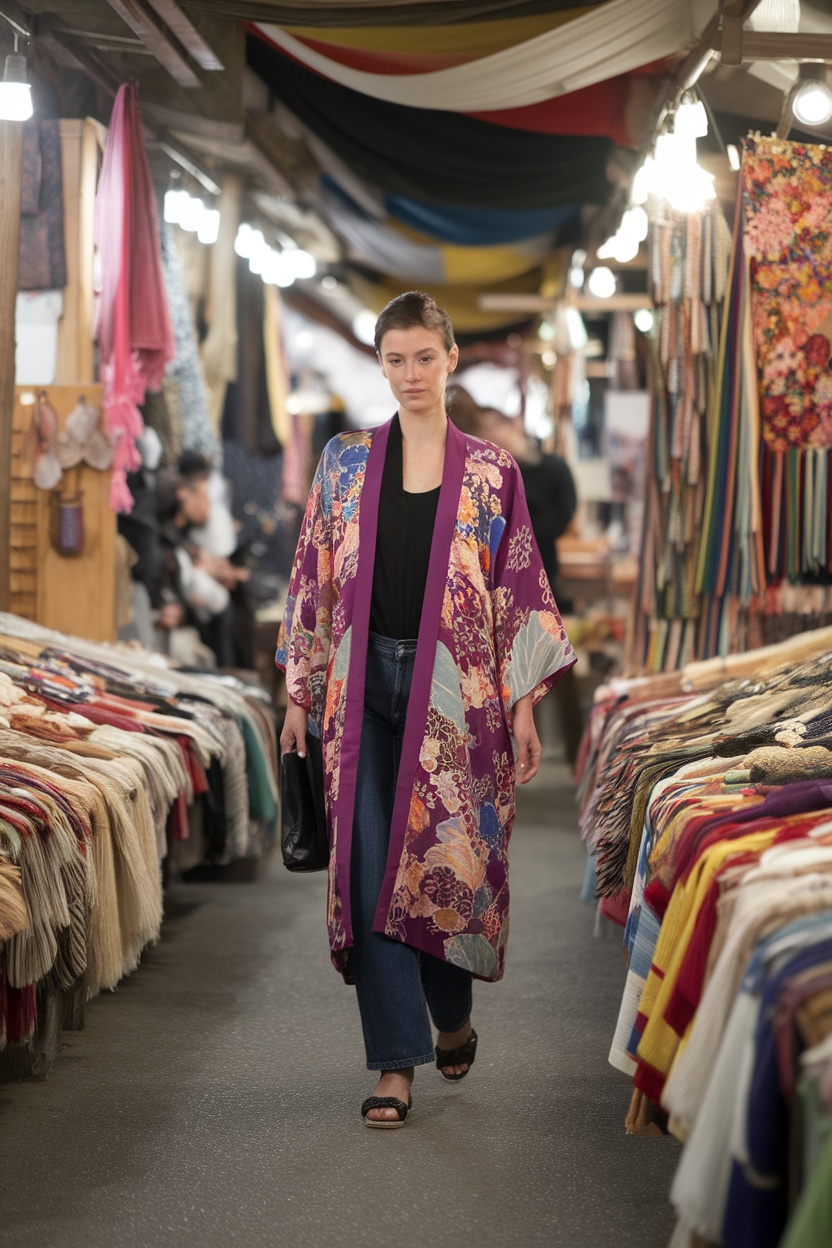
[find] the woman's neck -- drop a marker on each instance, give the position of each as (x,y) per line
(424,428)
(423,450)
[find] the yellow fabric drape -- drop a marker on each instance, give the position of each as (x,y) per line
(460,302)
(468,39)
(276,378)
(219,350)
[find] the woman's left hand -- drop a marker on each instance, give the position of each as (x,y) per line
(529,748)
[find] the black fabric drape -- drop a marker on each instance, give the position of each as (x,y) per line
(246,415)
(432,154)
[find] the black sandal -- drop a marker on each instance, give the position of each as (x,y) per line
(457,1057)
(385,1102)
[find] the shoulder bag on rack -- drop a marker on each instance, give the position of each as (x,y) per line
(304,843)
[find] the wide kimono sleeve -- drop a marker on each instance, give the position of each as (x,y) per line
(304,636)
(532,648)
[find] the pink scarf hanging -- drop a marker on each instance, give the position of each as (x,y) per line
(133,324)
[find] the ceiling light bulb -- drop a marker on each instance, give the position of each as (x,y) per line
(301,263)
(643,182)
(190,213)
(261,253)
(15,92)
(208,230)
(576,277)
(644,320)
(635,224)
(812,105)
(733,153)
(173,206)
(364,327)
(243,241)
(607,250)
(601,283)
(625,247)
(691,119)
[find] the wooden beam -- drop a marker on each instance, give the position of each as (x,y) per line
(61,46)
(282,161)
(11,176)
(161,43)
(180,25)
(760,45)
(528,305)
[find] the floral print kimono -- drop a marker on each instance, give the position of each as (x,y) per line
(490,633)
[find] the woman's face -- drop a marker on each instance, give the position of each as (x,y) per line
(416,364)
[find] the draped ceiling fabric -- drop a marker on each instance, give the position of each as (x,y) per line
(588,47)
(461,143)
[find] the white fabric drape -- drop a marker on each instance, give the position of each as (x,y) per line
(607,41)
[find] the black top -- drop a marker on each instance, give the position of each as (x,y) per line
(405,532)
(551,499)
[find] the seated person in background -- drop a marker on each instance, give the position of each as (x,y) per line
(207,525)
(209,536)
(190,595)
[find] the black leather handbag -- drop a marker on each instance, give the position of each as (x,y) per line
(304,842)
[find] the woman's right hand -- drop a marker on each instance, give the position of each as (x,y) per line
(293,736)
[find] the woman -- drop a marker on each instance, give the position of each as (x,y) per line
(419,631)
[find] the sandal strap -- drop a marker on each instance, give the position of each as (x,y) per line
(386,1102)
(455,1057)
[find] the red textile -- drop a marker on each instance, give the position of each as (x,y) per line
(133,326)
(618,109)
(617,908)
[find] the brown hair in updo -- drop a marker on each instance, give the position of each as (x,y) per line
(410,310)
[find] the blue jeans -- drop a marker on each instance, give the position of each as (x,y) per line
(396,985)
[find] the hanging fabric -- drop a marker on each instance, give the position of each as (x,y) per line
(132,321)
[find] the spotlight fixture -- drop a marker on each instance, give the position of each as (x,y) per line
(812,100)
(15,91)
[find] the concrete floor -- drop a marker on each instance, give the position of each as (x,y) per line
(213,1100)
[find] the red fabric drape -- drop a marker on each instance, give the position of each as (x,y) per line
(133,329)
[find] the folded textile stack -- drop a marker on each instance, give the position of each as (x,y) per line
(102,751)
(708,816)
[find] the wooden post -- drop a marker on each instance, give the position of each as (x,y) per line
(11,167)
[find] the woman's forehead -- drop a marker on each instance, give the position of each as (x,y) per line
(414,339)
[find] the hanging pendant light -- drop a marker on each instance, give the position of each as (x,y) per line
(15,91)
(812,101)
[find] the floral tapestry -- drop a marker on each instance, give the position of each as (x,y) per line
(787,204)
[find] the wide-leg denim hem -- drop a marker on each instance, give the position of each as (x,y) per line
(402,1065)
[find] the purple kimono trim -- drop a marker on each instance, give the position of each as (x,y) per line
(351,743)
(417,710)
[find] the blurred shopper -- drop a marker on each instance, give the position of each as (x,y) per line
(420,629)
(547,480)
(552,501)
(209,538)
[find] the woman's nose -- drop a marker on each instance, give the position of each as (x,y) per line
(412,371)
